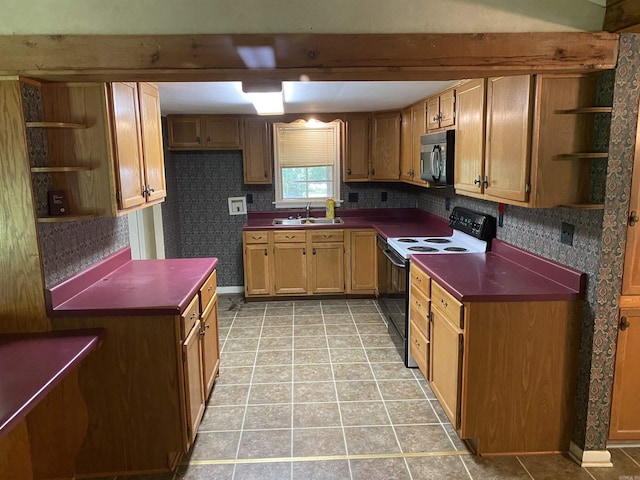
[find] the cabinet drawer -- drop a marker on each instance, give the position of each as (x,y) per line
(290,236)
(447,305)
(190,316)
(208,290)
(256,237)
(421,280)
(419,349)
(327,235)
(419,309)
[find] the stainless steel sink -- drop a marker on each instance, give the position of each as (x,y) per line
(307,221)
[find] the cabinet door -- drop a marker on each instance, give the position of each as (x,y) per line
(385,158)
(257,277)
(193,389)
(356,161)
(447,108)
(362,262)
(631,275)
(433,113)
(326,268)
(210,345)
(151,129)
(256,155)
(446,365)
(625,408)
(419,349)
(507,158)
(125,124)
(470,137)
(222,131)
(290,268)
(185,131)
(406,146)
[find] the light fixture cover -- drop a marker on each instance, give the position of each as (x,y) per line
(267,103)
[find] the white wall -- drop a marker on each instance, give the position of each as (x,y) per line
(296,16)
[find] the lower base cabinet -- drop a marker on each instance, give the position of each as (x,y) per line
(145,387)
(309,262)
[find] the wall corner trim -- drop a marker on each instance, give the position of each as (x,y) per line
(590,458)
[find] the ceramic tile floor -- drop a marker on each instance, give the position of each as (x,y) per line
(315,390)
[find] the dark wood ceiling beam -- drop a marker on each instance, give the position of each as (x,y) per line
(622,16)
(320,57)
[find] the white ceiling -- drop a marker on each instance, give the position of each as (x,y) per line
(300,97)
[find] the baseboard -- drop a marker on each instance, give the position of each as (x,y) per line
(590,458)
(229,290)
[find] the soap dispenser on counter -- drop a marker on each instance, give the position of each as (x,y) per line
(330,207)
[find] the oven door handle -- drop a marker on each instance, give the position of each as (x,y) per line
(387,253)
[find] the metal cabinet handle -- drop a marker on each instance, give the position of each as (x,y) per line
(304,251)
(265,174)
(348,171)
(198,140)
(313,250)
(373,172)
(210,288)
(265,252)
(478,181)
(443,302)
(150,189)
(624,323)
(633,218)
(486,181)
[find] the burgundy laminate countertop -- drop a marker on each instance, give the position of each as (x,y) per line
(504,274)
(388,222)
(121,286)
(32,364)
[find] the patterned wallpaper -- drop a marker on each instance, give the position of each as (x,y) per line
(67,247)
(205,179)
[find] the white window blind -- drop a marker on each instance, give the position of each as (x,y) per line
(302,146)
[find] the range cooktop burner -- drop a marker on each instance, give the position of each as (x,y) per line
(408,240)
(437,240)
(422,249)
(455,249)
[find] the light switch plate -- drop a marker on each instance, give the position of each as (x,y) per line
(237,205)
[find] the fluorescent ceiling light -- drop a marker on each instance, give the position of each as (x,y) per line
(267,103)
(257,57)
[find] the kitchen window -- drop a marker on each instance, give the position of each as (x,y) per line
(307,162)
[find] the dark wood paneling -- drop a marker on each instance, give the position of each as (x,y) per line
(622,15)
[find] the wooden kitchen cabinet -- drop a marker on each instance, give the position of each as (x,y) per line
(204,132)
(118,157)
(361,262)
(209,333)
(538,140)
(413,126)
(356,166)
(146,385)
(326,262)
(505,372)
(256,151)
(385,146)
(625,409)
(290,262)
(441,110)
(257,264)
(419,315)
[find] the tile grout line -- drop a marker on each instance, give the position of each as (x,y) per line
(335,389)
(630,457)
(246,405)
(293,373)
(525,468)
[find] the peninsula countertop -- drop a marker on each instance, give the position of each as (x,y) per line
(121,286)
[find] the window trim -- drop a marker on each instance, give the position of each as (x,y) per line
(337,169)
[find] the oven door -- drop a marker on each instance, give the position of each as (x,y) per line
(393,273)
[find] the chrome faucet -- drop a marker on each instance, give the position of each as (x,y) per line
(308,209)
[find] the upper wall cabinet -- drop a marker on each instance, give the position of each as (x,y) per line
(385,144)
(256,154)
(119,152)
(441,110)
(537,140)
(413,126)
(356,164)
(204,132)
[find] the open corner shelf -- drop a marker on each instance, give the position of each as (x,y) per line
(66,218)
(54,125)
(584,206)
(77,168)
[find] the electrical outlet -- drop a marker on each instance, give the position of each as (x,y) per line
(447,204)
(566,233)
(353,197)
(383,196)
(249,198)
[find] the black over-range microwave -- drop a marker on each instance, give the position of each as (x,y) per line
(436,157)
